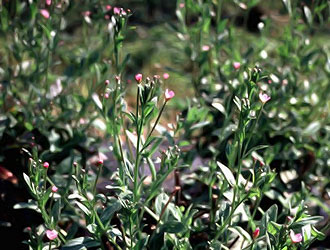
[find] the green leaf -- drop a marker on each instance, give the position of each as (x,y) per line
(272,212)
(240,231)
(308,15)
(107,214)
(27,205)
(255,149)
(80,243)
(56,210)
(172,227)
(287,4)
(83,208)
(28,182)
(305,221)
(312,129)
(317,234)
(199,125)
(227,174)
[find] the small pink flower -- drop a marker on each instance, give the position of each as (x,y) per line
(205,48)
(48,2)
(295,238)
(269,81)
(166,76)
(75,163)
(181,5)
(100,162)
(106,82)
(106,95)
(116,11)
(264,97)
(54,189)
(169,94)
(45,13)
(46,165)
(51,234)
(285,82)
(108,7)
(86,13)
(236,65)
(138,78)
(256,233)
(106,17)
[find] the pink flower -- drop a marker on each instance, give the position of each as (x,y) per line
(106,17)
(264,97)
(108,7)
(169,94)
(106,82)
(51,234)
(45,13)
(46,164)
(48,2)
(100,162)
(269,81)
(86,13)
(181,5)
(116,11)
(236,65)
(295,238)
(205,48)
(256,233)
(138,78)
(106,95)
(166,76)
(54,189)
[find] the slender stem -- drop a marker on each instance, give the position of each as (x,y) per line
(252,130)
(155,124)
(137,154)
(97,177)
(97,217)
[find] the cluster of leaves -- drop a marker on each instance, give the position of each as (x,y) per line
(204,182)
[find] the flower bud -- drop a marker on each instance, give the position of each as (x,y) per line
(236,65)
(256,233)
(46,165)
(166,76)
(45,13)
(138,78)
(54,189)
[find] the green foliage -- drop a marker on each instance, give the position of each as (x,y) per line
(244,165)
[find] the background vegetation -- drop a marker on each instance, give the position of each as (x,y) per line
(93,157)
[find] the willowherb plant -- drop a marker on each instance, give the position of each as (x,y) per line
(230,173)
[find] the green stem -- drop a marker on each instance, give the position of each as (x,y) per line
(252,130)
(137,154)
(156,122)
(97,177)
